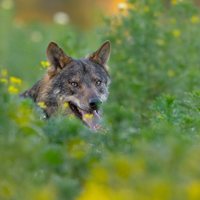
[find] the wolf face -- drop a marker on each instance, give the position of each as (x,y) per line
(81,84)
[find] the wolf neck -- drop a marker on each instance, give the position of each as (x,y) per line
(39,91)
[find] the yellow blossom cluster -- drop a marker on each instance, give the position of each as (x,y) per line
(88,116)
(176,33)
(45,64)
(195,19)
(42,104)
(13,83)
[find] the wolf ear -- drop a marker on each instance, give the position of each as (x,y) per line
(101,56)
(57,58)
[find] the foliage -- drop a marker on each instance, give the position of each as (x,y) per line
(149,148)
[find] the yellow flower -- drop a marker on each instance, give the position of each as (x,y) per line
(88,116)
(13,90)
(66,105)
(193,191)
(45,64)
(15,80)
(42,104)
(194,19)
(175,2)
(3,80)
(7,190)
(176,33)
(95,191)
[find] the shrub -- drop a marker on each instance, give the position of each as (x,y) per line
(149,148)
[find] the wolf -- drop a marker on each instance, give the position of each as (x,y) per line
(79,86)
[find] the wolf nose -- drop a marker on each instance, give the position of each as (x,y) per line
(94,103)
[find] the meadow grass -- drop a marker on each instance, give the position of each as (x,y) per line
(149,148)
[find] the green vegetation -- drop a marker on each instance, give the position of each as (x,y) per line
(149,148)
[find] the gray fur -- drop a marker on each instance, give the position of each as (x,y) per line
(76,81)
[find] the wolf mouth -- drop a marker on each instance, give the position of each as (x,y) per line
(89,117)
(75,110)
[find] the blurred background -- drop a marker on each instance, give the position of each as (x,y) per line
(148,147)
(36,23)
(83,14)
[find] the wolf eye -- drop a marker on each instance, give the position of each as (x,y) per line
(74,84)
(98,83)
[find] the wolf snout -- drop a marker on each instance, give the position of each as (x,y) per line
(94,103)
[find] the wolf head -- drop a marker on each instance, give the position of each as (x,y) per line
(81,83)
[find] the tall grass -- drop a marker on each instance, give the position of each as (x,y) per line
(149,148)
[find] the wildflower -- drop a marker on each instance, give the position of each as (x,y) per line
(175,2)
(45,64)
(66,105)
(15,80)
(42,104)
(88,116)
(6,190)
(176,33)
(193,190)
(3,80)
(96,191)
(194,19)
(13,90)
